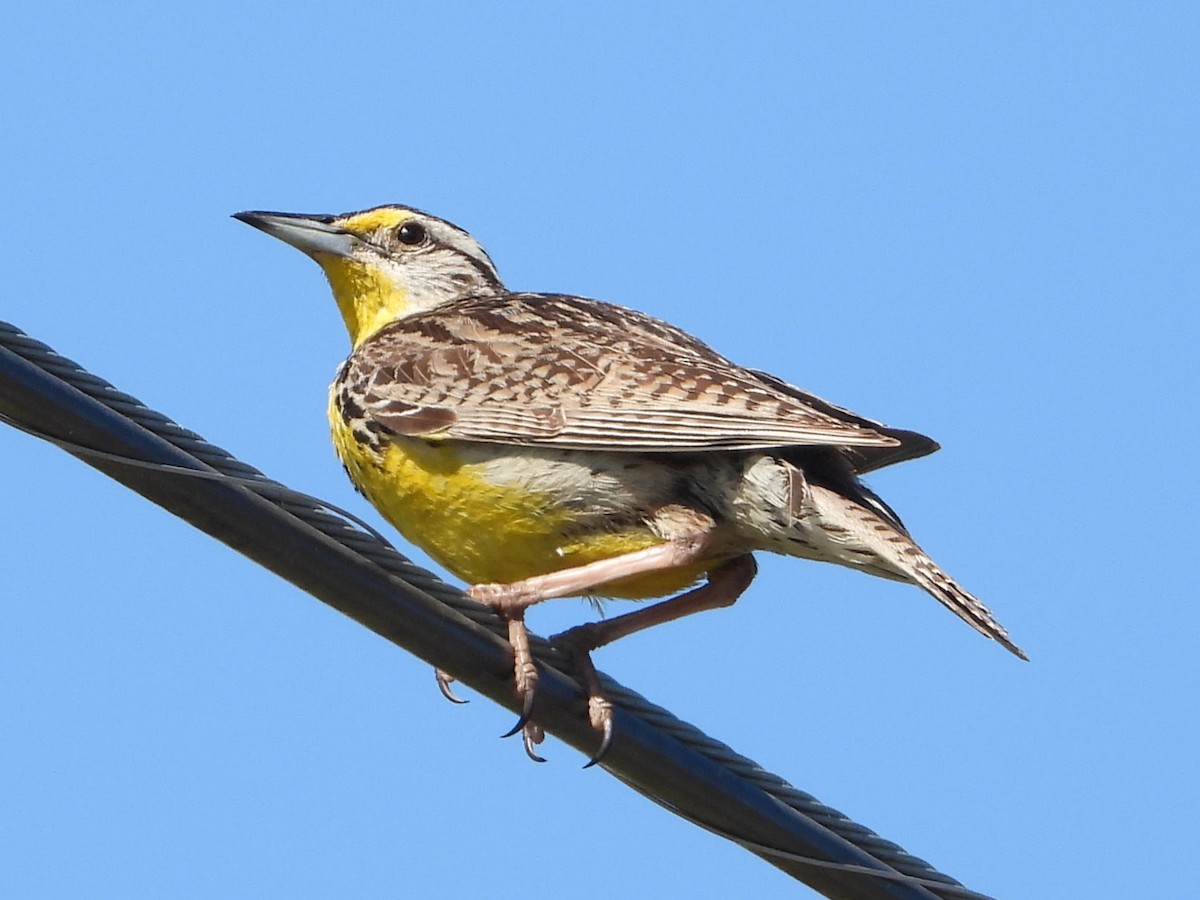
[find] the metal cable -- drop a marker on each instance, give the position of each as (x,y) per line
(866,866)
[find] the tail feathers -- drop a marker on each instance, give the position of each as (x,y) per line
(865,534)
(926,574)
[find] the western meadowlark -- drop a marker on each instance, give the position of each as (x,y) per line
(541,445)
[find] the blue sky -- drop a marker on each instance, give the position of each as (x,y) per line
(975,221)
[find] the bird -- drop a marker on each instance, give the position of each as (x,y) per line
(544,445)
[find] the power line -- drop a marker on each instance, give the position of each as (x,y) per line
(354,570)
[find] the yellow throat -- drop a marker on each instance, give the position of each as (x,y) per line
(385,263)
(366,296)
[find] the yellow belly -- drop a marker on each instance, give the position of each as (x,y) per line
(483,531)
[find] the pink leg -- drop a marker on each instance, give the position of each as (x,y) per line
(569,582)
(511,601)
(725,584)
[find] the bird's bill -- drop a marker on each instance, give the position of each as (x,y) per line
(310,234)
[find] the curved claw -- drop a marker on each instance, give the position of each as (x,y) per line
(520,724)
(526,712)
(527,740)
(605,743)
(443,683)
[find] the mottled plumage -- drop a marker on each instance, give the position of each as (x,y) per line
(552,370)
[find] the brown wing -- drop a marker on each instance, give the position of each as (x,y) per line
(565,372)
(910,444)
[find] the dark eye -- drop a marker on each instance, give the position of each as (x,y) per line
(411,234)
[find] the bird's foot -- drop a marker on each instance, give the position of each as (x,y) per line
(511,605)
(578,642)
(525,678)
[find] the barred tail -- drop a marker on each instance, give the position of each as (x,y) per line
(926,574)
(865,534)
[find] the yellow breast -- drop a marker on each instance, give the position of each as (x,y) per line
(446,498)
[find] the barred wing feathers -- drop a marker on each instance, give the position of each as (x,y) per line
(561,371)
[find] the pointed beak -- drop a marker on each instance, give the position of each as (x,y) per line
(309,234)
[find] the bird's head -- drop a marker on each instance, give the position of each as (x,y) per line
(385,263)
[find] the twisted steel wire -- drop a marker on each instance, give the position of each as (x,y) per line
(891,871)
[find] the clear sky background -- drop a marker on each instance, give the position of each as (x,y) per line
(976,221)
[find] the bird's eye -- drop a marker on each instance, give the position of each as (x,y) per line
(411,234)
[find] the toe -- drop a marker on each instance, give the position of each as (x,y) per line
(444,680)
(606,736)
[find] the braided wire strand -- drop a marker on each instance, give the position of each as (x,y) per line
(382,554)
